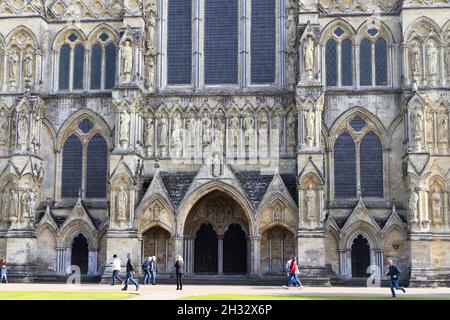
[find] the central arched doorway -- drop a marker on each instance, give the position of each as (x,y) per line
(234,260)
(206,250)
(80,253)
(360,257)
(216,236)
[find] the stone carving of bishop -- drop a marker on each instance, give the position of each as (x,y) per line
(126,53)
(216,166)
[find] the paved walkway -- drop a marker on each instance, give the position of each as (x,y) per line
(169,292)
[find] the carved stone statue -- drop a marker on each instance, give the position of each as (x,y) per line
(13,67)
(176,132)
(126,53)
(124,136)
(234,128)
(28,67)
(448,61)
(14,201)
(28,203)
(291,72)
(216,166)
(220,128)
(291,24)
(443,129)
(263,130)
(156,214)
(310,199)
(122,202)
(3,129)
(430,131)
(190,132)
(436,203)
(164,129)
(415,61)
(309,126)
(149,132)
(291,129)
(276,132)
(206,130)
(6,204)
(308,55)
(249,127)
(23,130)
(412,204)
(432,59)
(277,213)
(417,126)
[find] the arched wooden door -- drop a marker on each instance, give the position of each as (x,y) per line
(205,250)
(235,250)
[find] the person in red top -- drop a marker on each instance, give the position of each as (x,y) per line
(292,274)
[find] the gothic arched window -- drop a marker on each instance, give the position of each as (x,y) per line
(361,149)
(103,62)
(96,67)
(84,162)
(179,42)
(71,63)
(221,42)
(380,62)
(263,41)
(365,62)
(331,65)
(345,167)
(346,63)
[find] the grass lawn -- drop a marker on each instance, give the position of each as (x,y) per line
(53,295)
(300,297)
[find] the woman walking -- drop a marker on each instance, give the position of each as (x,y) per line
(153,270)
(179,270)
(3,273)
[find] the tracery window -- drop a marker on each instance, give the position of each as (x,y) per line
(339,58)
(84,162)
(71,63)
(103,62)
(358,162)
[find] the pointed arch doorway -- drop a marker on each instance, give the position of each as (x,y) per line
(80,253)
(360,257)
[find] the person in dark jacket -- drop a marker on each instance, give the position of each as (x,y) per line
(153,270)
(179,270)
(146,270)
(394,274)
(130,271)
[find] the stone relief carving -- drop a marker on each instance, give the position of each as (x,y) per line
(310,119)
(122,203)
(149,132)
(234,130)
(28,68)
(13,62)
(177,132)
(28,205)
(278,212)
(310,203)
(191,125)
(436,203)
(219,210)
(156,213)
(415,62)
(124,134)
(23,131)
(263,131)
(432,60)
(292,129)
(249,129)
(291,71)
(126,54)
(417,126)
(412,205)
(206,130)
(4,126)
(216,165)
(443,129)
(164,130)
(220,128)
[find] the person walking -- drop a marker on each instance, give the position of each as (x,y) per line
(116,270)
(394,274)
(290,266)
(153,270)
(297,279)
(3,273)
(129,277)
(179,270)
(146,270)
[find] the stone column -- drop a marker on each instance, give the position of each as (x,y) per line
(92,261)
(220,255)
(343,262)
(60,260)
(255,254)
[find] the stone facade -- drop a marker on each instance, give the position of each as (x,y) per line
(342,160)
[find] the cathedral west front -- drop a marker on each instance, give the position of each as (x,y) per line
(235,133)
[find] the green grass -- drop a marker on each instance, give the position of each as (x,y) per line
(300,297)
(53,295)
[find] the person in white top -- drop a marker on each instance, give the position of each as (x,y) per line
(116,269)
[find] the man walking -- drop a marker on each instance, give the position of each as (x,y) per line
(130,271)
(116,269)
(146,270)
(153,270)
(394,273)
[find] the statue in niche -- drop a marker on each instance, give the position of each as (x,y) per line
(28,67)
(249,128)
(220,128)
(149,132)
(432,59)
(190,132)
(28,202)
(443,129)
(291,73)
(310,199)
(23,130)
(13,67)
(156,214)
(448,61)
(176,133)
(430,135)
(263,130)
(6,203)
(122,202)
(234,128)
(417,126)
(14,200)
(3,128)
(308,55)
(436,203)
(206,130)
(277,127)
(126,53)
(309,115)
(291,126)
(277,213)
(216,166)
(291,22)
(415,62)
(164,129)
(412,204)
(124,134)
